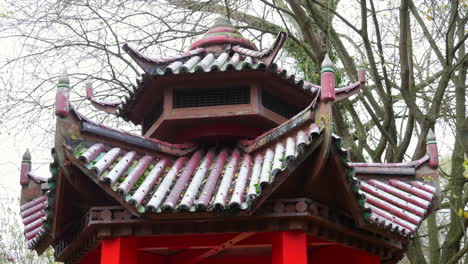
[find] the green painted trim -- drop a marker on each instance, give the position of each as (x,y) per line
(63,85)
(367,214)
(141,209)
(431,142)
(327,70)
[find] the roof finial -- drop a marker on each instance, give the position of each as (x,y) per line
(430,136)
(27,156)
(62,103)
(89,89)
(327,80)
(361,65)
(25,168)
(327,64)
(431,149)
(361,68)
(64,79)
(221,22)
(221,33)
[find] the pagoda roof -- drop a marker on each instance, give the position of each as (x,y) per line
(151,177)
(216,52)
(202,60)
(298,170)
(227,171)
(226,59)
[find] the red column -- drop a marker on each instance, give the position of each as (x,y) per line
(289,248)
(120,250)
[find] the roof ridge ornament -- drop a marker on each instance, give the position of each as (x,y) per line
(25,168)
(327,64)
(431,149)
(64,78)
(62,104)
(27,156)
(108,107)
(89,89)
(327,80)
(361,68)
(431,138)
(222,22)
(222,32)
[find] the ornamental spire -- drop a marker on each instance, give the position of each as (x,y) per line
(64,79)
(431,149)
(430,136)
(327,80)
(222,33)
(25,168)
(327,64)
(221,22)
(89,89)
(361,72)
(61,97)
(27,156)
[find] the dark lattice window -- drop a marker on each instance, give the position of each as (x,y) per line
(199,97)
(150,118)
(278,105)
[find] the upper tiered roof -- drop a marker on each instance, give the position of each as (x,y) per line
(222,57)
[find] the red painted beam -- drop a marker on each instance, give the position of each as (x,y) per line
(213,240)
(183,241)
(289,248)
(186,259)
(120,250)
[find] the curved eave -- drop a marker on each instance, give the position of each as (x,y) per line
(255,176)
(38,214)
(267,55)
(84,127)
(148,64)
(399,195)
(356,201)
(73,129)
(106,106)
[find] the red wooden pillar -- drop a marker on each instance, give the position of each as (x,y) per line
(289,248)
(120,250)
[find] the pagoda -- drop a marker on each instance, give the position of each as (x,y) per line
(237,162)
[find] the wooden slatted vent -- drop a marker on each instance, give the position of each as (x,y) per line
(200,97)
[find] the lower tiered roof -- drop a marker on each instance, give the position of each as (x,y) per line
(150,177)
